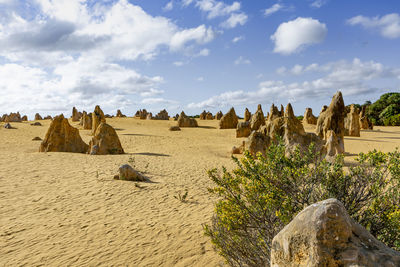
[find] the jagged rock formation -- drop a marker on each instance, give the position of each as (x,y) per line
(323,234)
(352,122)
(126,172)
(105,141)
(38,117)
(247,115)
(243,129)
(274,113)
(119,114)
(365,123)
(333,119)
(176,117)
(219,115)
(185,121)
(149,116)
(97,118)
(162,115)
(62,137)
(48,117)
(209,116)
(257,120)
(12,117)
(8,126)
(203,115)
(76,116)
(324,107)
(309,118)
(282,112)
(142,114)
(86,121)
(24,118)
(229,120)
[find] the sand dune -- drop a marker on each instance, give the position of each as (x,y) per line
(61,209)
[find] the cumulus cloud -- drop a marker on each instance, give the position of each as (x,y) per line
(318,3)
(67,52)
(294,35)
(169,6)
(273,9)
(388,25)
(352,78)
(234,20)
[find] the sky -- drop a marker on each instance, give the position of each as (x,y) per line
(195,55)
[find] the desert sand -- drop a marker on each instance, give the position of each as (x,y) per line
(60,209)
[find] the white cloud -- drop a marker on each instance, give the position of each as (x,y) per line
(203,53)
(281,70)
(200,35)
(217,8)
(318,3)
(186,2)
(237,39)
(179,63)
(352,78)
(274,8)
(388,25)
(234,20)
(200,79)
(242,61)
(294,35)
(169,6)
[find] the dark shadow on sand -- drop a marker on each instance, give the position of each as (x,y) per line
(150,154)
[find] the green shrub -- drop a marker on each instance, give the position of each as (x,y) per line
(262,194)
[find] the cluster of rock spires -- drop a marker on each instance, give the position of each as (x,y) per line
(206,115)
(328,139)
(324,234)
(13,117)
(185,121)
(62,137)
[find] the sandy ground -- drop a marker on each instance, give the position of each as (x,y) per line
(59,209)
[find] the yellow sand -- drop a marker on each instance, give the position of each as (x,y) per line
(59,209)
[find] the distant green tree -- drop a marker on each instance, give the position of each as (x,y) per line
(387,106)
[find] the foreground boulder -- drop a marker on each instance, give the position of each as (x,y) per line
(126,172)
(333,119)
(365,123)
(247,115)
(185,121)
(309,118)
(62,137)
(243,129)
(162,115)
(323,234)
(219,115)
(352,122)
(97,118)
(257,120)
(257,142)
(105,141)
(229,120)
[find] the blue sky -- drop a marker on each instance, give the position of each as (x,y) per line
(195,54)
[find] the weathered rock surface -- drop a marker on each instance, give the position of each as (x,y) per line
(323,234)
(333,119)
(12,117)
(247,115)
(126,172)
(352,122)
(38,117)
(86,121)
(257,142)
(309,118)
(97,118)
(48,117)
(229,120)
(219,115)
(76,116)
(8,126)
(24,118)
(239,149)
(142,114)
(119,114)
(274,113)
(36,124)
(37,138)
(203,115)
(257,120)
(149,116)
(243,129)
(365,123)
(162,115)
(105,141)
(209,116)
(62,137)
(185,121)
